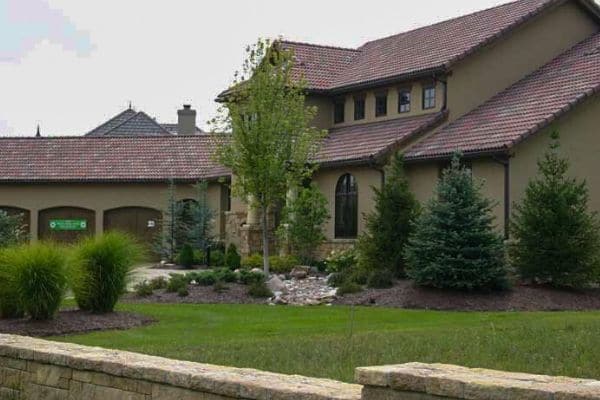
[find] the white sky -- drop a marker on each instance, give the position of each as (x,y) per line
(68,65)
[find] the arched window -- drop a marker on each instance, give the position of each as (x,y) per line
(346,207)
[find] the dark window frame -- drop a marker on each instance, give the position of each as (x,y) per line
(339,114)
(360,113)
(429,101)
(383,111)
(407,105)
(346,207)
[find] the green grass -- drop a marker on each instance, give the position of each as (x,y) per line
(332,341)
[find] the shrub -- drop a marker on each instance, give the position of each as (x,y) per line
(336,279)
(283,264)
(455,245)
(220,287)
(259,290)
(217,258)
(225,275)
(186,256)
(176,282)
(341,261)
(390,224)
(160,282)
(380,279)
(183,291)
(199,257)
(100,270)
(349,287)
(556,237)
(253,261)
(248,278)
(40,279)
(9,304)
(12,230)
(206,278)
(232,257)
(143,289)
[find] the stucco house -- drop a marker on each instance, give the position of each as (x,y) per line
(491,85)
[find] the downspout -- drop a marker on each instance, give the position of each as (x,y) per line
(505,162)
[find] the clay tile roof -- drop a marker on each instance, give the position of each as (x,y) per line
(109,159)
(366,141)
(522,109)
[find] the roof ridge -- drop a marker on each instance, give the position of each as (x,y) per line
(325,46)
(133,116)
(109,120)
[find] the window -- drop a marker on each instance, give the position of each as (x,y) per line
(359,108)
(380,104)
(428,97)
(346,207)
(404,101)
(338,111)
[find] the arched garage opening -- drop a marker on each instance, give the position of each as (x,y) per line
(23,214)
(141,222)
(66,224)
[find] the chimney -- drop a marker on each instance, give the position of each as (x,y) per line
(186,120)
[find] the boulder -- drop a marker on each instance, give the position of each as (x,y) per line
(256,270)
(276,285)
(300,272)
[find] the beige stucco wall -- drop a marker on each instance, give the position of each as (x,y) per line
(366,178)
(496,67)
(100,197)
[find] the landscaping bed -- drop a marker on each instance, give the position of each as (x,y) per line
(234,293)
(404,294)
(74,321)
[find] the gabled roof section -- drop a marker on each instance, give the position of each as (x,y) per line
(523,109)
(112,123)
(172,128)
(109,159)
(368,142)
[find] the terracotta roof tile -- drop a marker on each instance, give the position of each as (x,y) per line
(523,108)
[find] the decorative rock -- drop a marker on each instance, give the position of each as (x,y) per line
(300,272)
(256,270)
(276,285)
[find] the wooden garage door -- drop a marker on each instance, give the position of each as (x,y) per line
(142,222)
(66,224)
(23,213)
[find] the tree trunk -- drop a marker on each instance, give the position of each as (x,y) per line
(265,240)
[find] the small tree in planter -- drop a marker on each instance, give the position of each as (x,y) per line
(454,245)
(556,239)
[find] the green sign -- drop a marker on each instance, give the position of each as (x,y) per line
(68,224)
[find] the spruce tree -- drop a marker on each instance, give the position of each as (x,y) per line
(388,227)
(455,245)
(555,237)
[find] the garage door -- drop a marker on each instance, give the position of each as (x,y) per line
(66,224)
(24,214)
(142,222)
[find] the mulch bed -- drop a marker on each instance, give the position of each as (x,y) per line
(235,294)
(73,321)
(520,298)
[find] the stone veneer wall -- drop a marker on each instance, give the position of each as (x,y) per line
(38,369)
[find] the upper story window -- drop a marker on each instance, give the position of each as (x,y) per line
(428,97)
(404,101)
(359,108)
(380,104)
(338,111)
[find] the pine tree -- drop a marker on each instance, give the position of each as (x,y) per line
(454,245)
(389,226)
(555,237)
(198,229)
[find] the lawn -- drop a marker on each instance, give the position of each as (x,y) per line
(332,341)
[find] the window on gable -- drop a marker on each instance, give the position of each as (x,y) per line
(380,104)
(346,207)
(404,101)
(338,111)
(359,108)
(428,97)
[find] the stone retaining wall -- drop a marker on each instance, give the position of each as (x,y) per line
(38,369)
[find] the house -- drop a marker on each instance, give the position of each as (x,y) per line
(491,85)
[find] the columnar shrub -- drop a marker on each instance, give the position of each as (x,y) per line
(186,256)
(455,244)
(100,270)
(9,304)
(39,278)
(556,237)
(232,257)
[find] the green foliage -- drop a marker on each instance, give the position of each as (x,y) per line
(252,261)
(271,138)
(164,242)
(220,287)
(225,275)
(556,237)
(40,278)
(259,290)
(9,302)
(206,278)
(12,231)
(341,261)
(183,291)
(283,264)
(217,258)
(390,224)
(302,223)
(199,257)
(232,257)
(248,278)
(197,227)
(349,287)
(454,245)
(176,281)
(380,279)
(160,282)
(143,289)
(100,270)
(336,279)
(186,256)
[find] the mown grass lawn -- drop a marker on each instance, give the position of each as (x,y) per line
(332,341)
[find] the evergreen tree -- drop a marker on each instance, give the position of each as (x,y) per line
(201,216)
(454,245)
(165,243)
(556,237)
(389,226)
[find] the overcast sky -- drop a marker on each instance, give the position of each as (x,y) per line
(68,65)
